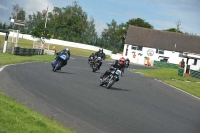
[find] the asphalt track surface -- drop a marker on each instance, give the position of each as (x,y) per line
(73,97)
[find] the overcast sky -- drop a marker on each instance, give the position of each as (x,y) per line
(162,14)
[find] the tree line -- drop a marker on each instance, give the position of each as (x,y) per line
(71,23)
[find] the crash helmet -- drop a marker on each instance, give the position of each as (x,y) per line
(100,50)
(121,61)
(67,49)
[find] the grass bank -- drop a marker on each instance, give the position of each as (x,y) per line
(170,76)
(16,118)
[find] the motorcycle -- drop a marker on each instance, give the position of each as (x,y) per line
(91,61)
(57,64)
(95,65)
(110,79)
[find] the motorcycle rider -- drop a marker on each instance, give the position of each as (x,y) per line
(66,52)
(127,61)
(89,58)
(117,64)
(101,54)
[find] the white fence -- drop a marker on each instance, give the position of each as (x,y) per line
(71,44)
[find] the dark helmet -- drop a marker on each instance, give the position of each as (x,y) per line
(101,50)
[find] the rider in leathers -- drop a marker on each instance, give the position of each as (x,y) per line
(89,58)
(101,54)
(118,64)
(66,52)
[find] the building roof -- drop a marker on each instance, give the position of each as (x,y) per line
(163,40)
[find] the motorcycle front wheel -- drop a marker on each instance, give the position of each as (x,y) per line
(94,68)
(57,66)
(110,83)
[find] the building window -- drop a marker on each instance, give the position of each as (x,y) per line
(159,51)
(134,47)
(139,48)
(164,60)
(195,62)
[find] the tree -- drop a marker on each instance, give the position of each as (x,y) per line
(18,14)
(112,36)
(173,30)
(3,25)
(177,29)
(115,34)
(40,31)
(139,23)
(90,34)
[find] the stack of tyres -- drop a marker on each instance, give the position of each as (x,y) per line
(34,51)
(195,74)
(42,52)
(180,71)
(16,50)
(29,52)
(22,51)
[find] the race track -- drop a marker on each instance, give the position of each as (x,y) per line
(73,97)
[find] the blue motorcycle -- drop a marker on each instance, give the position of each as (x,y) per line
(59,61)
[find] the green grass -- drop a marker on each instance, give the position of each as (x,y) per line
(170,76)
(190,87)
(16,118)
(6,58)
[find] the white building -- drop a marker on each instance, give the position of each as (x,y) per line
(144,46)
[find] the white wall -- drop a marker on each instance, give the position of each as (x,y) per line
(67,43)
(173,56)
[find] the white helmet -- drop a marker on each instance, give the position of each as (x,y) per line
(67,49)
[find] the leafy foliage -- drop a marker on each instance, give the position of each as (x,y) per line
(173,30)
(139,23)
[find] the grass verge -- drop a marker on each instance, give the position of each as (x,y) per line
(170,76)
(16,118)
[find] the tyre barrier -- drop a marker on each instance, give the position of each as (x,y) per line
(165,65)
(16,50)
(195,74)
(180,71)
(27,51)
